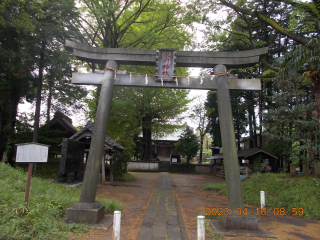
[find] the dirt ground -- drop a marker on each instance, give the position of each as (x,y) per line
(135,196)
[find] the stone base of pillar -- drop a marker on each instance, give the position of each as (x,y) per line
(234,222)
(85,212)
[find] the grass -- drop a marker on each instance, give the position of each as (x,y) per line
(281,191)
(125,177)
(216,187)
(42,217)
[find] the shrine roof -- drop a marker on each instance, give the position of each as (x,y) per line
(87,131)
(64,121)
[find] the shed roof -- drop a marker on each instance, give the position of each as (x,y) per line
(245,153)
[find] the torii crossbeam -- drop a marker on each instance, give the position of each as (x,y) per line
(87,210)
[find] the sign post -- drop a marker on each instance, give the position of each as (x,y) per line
(31,152)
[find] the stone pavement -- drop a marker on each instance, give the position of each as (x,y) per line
(162,219)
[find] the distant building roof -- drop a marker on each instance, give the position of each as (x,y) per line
(86,132)
(245,153)
(175,136)
(64,121)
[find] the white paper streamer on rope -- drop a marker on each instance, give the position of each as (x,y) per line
(161,81)
(115,75)
(177,81)
(130,76)
(201,79)
(188,80)
(146,79)
(212,77)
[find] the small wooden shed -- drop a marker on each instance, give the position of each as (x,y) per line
(85,136)
(247,157)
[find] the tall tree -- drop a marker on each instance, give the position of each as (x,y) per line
(142,24)
(295,45)
(148,110)
(213,118)
(238,113)
(309,50)
(198,116)
(52,30)
(16,63)
(188,144)
(33,35)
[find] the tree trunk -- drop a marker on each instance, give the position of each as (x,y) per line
(255,139)
(49,101)
(315,87)
(251,137)
(38,103)
(148,144)
(261,99)
(238,137)
(2,122)
(15,97)
(201,146)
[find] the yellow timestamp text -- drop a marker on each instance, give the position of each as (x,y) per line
(259,212)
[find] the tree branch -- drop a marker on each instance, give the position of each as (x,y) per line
(272,23)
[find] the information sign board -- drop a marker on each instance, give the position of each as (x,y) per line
(32,152)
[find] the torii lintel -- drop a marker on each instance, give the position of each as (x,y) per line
(206,83)
(183,58)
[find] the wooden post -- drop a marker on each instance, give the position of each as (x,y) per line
(28,182)
(103,170)
(111,170)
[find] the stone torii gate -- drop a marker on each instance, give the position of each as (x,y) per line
(87,209)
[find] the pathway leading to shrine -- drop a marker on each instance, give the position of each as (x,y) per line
(162,219)
(192,201)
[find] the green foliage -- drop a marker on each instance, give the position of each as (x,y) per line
(21,20)
(135,24)
(188,144)
(125,177)
(257,163)
(281,191)
(212,113)
(43,170)
(198,116)
(120,159)
(291,122)
(32,35)
(238,112)
(42,217)
(140,25)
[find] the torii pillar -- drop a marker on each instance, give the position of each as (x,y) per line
(231,219)
(87,210)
